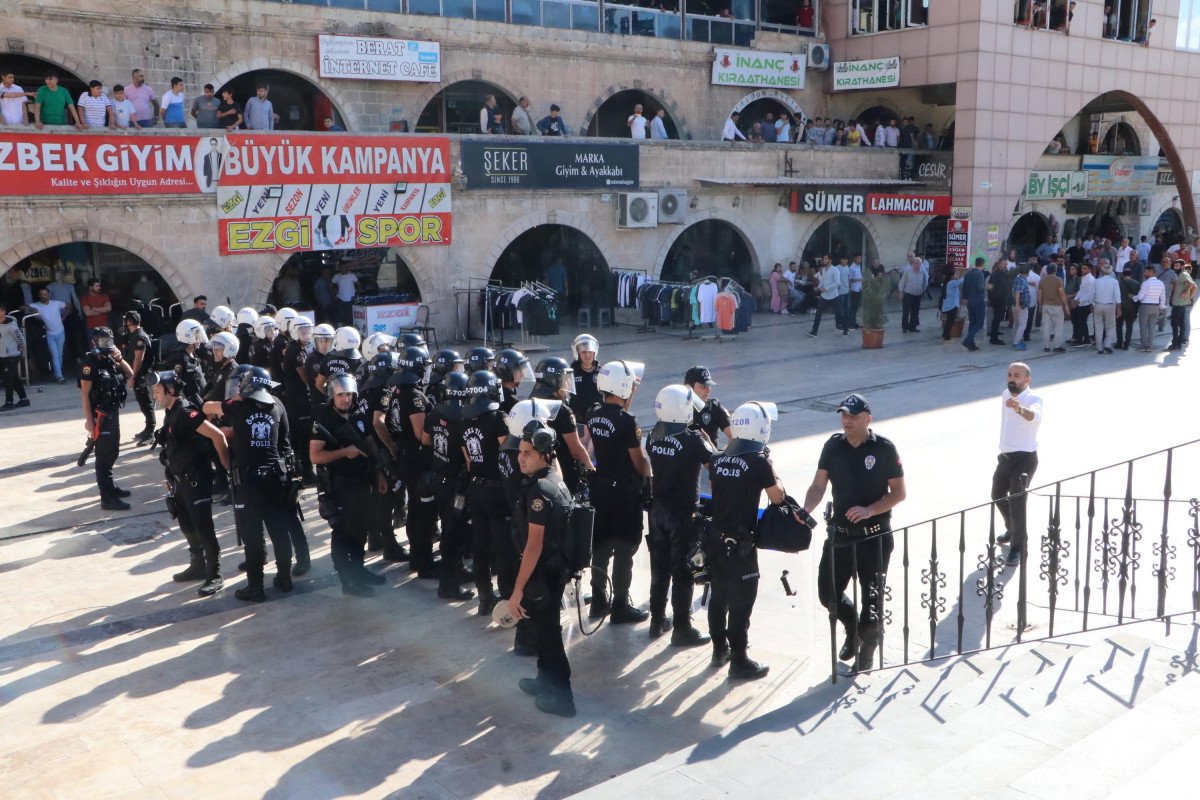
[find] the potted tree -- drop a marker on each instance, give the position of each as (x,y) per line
(875,291)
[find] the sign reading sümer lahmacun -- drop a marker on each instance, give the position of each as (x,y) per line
(758,68)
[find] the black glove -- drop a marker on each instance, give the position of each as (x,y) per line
(646,495)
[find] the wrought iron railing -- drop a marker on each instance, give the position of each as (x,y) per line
(1084,572)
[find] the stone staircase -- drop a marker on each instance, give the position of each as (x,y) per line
(1104,714)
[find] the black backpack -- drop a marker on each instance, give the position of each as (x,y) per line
(573,524)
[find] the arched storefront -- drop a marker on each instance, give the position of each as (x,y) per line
(559,256)
(1170,225)
(302,280)
(1121,140)
(30,73)
(755,106)
(931,243)
(840,237)
(710,247)
(299,104)
(611,118)
(1030,230)
(455,109)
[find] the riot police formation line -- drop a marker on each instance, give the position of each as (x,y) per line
(445,447)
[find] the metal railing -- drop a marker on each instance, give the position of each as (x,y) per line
(1109,534)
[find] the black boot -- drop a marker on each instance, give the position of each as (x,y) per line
(369,578)
(212,582)
(624,613)
(849,648)
(253,591)
(119,492)
(659,626)
(113,503)
(196,571)
(688,636)
(145,435)
(742,667)
(283,581)
(453,591)
(534,686)
(558,702)
(487,601)
(354,587)
(865,660)
(395,552)
(302,567)
(242,565)
(720,656)
(600,605)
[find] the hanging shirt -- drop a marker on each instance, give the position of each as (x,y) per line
(706,296)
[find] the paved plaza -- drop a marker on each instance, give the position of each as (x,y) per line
(117,682)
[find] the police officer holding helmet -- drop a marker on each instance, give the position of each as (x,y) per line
(103,377)
(739,474)
(868,482)
(541,579)
(618,490)
(677,451)
(189,478)
(295,391)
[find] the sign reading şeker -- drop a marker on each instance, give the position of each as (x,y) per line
(370,59)
(879,73)
(819,201)
(74,164)
(547,164)
(958,242)
(758,68)
(306,192)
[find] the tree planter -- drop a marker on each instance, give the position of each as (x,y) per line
(872,338)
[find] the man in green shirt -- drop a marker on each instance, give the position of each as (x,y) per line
(52,104)
(1182,297)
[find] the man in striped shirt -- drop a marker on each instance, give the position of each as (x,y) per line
(1150,299)
(95,109)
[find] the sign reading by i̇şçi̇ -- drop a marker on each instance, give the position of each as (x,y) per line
(758,68)
(543,164)
(309,192)
(371,59)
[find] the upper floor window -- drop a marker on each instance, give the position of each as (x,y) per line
(877,16)
(1047,15)
(1187,37)
(1129,20)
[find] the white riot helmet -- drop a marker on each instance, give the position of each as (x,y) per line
(284,317)
(265,327)
(346,338)
(585,341)
(751,426)
(247,316)
(302,329)
(525,412)
(322,336)
(222,318)
(225,340)
(620,378)
(375,343)
(188,331)
(675,407)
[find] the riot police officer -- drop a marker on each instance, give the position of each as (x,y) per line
(868,482)
(341,447)
(139,354)
(479,434)
(245,329)
(185,437)
(449,484)
(223,348)
(221,320)
(444,363)
(677,452)
(322,338)
(265,333)
(375,398)
(739,475)
(512,367)
(553,381)
(619,490)
(540,581)
(375,343)
(283,319)
(712,418)
(405,418)
(187,366)
(295,392)
(102,381)
(480,359)
(344,357)
(584,369)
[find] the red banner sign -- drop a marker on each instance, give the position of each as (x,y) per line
(958,242)
(909,205)
(304,192)
(79,164)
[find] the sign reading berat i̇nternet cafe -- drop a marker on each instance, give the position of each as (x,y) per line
(758,68)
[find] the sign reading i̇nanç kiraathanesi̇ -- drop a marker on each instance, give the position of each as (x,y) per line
(880,73)
(758,68)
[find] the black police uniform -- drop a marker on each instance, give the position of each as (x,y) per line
(316,398)
(508,398)
(259,353)
(275,357)
(245,337)
(675,459)
(107,395)
(490,513)
(295,401)
(219,384)
(616,494)
(340,361)
(189,373)
(586,394)
(190,478)
(351,483)
(564,422)
(738,481)
(391,503)
(449,489)
(259,447)
(542,495)
(411,464)
(140,342)
(858,476)
(712,418)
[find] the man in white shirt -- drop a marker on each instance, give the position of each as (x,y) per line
(658,128)
(345,283)
(880,135)
(637,123)
(1020,418)
(856,279)
(795,296)
(13,102)
(1123,254)
(1151,299)
(1083,306)
(1035,312)
(1106,297)
(52,313)
(828,281)
(95,109)
(730,132)
(485,113)
(523,122)
(891,134)
(843,306)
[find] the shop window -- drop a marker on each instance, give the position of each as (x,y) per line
(1130,20)
(878,16)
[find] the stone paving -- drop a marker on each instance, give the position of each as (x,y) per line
(116,682)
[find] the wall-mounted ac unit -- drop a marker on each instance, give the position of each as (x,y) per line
(818,57)
(637,210)
(672,206)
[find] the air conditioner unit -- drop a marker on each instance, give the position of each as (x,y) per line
(818,57)
(672,206)
(637,210)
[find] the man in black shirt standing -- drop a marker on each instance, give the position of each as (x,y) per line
(677,452)
(479,435)
(868,482)
(449,483)
(512,368)
(584,369)
(619,490)
(553,380)
(139,354)
(189,371)
(103,378)
(406,409)
(295,391)
(712,418)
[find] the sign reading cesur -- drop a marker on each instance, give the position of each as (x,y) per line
(880,73)
(304,192)
(101,165)
(758,68)
(1057,185)
(369,59)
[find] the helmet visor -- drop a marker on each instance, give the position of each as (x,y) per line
(769,409)
(568,381)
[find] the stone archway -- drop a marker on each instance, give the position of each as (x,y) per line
(754,246)
(661,96)
(783,98)
(576,221)
(865,220)
(61,59)
(432,90)
(345,108)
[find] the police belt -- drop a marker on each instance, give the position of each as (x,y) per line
(848,534)
(268,471)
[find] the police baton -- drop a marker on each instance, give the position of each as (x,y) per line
(91,442)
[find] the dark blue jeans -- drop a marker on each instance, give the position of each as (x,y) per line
(976,314)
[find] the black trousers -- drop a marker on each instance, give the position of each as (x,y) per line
(910,318)
(999,314)
(615,537)
(193,498)
(670,539)
(734,580)
(492,544)
(261,501)
(421,525)
(868,559)
(948,320)
(455,528)
(552,664)
(12,378)
(823,307)
(300,430)
(348,537)
(108,445)
(1079,326)
(1178,322)
(145,403)
(1125,327)
(1008,491)
(381,524)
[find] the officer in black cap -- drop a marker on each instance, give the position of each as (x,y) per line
(343,450)
(375,399)
(444,363)
(512,367)
(103,379)
(480,434)
(553,380)
(712,418)
(538,590)
(868,482)
(449,484)
(189,475)
(480,359)
(405,422)
(138,352)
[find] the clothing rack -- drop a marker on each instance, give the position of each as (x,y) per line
(532,343)
(498,341)
(640,327)
(692,326)
(475,285)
